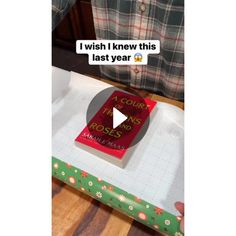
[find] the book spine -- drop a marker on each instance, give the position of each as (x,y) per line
(136,208)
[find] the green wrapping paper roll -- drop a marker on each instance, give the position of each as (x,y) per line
(136,208)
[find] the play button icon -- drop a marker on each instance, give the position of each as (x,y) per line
(118,118)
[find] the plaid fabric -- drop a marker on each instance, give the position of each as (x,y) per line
(59,9)
(146,19)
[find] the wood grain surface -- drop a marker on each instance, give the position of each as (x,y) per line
(146,94)
(74,213)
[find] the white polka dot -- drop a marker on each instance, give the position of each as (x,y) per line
(72,180)
(121,198)
(56,165)
(99,194)
(167,222)
(131,208)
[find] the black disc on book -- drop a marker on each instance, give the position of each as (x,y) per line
(100,118)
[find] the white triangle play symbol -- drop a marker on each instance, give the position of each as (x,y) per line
(118,118)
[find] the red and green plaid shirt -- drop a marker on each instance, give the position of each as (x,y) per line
(146,20)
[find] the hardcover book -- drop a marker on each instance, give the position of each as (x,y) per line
(115,144)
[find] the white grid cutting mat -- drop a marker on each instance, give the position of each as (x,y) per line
(155,169)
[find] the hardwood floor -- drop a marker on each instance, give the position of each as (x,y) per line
(74,213)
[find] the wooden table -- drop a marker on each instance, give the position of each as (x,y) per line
(74,213)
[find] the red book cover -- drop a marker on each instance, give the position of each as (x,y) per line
(99,133)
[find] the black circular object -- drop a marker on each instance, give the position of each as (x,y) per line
(128,103)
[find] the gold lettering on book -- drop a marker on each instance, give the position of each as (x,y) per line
(106,130)
(130,102)
(115,98)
